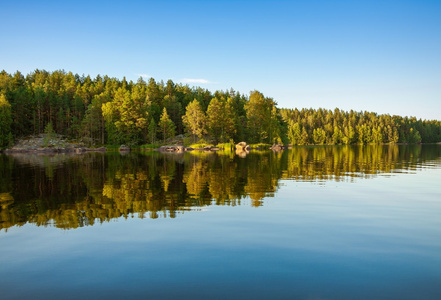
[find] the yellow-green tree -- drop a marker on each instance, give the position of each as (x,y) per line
(294,133)
(194,119)
(166,126)
(259,112)
(129,113)
(221,120)
(319,136)
(93,122)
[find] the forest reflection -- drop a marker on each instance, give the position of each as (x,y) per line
(71,191)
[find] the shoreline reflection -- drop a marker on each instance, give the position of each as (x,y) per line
(71,191)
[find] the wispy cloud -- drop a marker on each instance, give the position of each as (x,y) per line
(195,80)
(144,75)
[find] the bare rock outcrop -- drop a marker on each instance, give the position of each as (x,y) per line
(124,148)
(242,146)
(173,148)
(48,144)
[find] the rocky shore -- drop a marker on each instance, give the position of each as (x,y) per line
(47,144)
(180,148)
(44,143)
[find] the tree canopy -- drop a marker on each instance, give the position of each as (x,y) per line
(104,110)
(5,122)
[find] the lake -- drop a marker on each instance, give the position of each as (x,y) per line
(331,222)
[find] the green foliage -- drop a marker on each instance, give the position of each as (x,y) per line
(166,126)
(149,146)
(194,119)
(186,141)
(48,134)
(319,136)
(200,145)
(337,136)
(151,134)
(93,124)
(226,146)
(5,122)
(221,120)
(338,127)
(112,147)
(295,133)
(129,114)
(262,146)
(262,118)
(105,110)
(414,136)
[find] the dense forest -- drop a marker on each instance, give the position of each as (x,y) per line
(109,111)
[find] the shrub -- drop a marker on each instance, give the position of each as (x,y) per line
(226,146)
(200,145)
(260,146)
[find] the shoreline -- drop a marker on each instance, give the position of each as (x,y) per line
(164,149)
(54,150)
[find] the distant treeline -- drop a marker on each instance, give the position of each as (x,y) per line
(106,110)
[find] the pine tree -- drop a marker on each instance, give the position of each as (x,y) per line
(5,122)
(319,136)
(258,111)
(221,120)
(194,119)
(151,135)
(294,133)
(166,126)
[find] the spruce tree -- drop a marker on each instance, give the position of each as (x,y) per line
(166,126)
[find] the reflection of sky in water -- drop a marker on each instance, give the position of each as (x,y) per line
(372,239)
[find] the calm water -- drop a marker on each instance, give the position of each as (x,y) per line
(308,223)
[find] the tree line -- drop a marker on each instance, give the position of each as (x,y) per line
(104,110)
(334,127)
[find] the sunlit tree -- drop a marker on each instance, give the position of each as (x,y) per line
(166,126)
(195,119)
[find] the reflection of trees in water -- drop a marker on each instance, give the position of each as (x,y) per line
(82,190)
(262,178)
(341,163)
(346,162)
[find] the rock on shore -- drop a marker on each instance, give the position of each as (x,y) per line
(53,143)
(242,146)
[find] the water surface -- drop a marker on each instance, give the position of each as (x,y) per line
(308,223)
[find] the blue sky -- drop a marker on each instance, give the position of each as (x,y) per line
(381,56)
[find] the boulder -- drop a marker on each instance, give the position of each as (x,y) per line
(80,150)
(124,148)
(163,148)
(179,148)
(242,146)
(172,148)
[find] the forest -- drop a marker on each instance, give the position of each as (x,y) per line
(110,111)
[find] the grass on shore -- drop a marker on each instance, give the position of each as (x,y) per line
(260,146)
(200,145)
